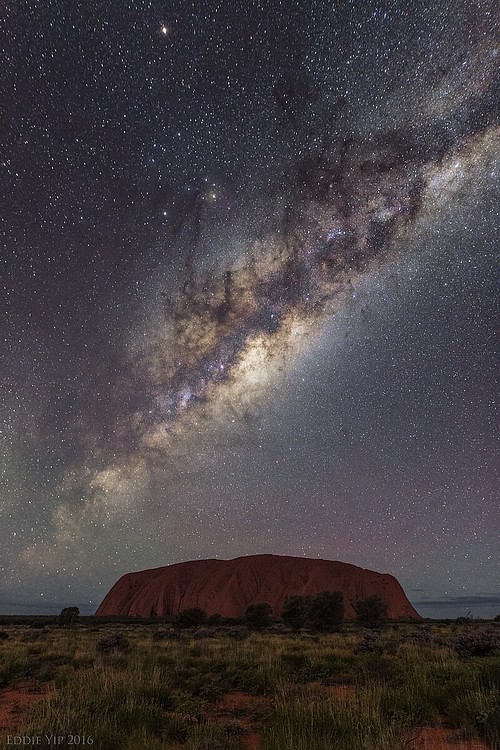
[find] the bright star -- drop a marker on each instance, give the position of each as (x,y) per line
(165,30)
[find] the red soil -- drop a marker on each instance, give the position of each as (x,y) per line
(15,701)
(235,708)
(442,738)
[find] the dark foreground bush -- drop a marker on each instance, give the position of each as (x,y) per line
(323,612)
(3,635)
(112,642)
(259,616)
(371,612)
(191,618)
(295,611)
(476,644)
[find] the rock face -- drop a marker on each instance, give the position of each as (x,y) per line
(227,587)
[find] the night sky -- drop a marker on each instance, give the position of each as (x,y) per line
(249,291)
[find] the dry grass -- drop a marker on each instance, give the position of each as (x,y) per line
(163,692)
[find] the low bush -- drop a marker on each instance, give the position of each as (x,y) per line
(166,634)
(200,633)
(370,643)
(476,644)
(421,637)
(237,633)
(112,642)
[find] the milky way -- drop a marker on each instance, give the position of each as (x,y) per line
(249,274)
(349,211)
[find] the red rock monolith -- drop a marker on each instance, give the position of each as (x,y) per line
(227,587)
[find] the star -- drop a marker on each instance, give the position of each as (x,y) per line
(273,328)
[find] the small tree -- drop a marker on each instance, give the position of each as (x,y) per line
(192,617)
(371,612)
(68,617)
(259,616)
(295,611)
(326,611)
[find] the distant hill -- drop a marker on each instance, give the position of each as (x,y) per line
(227,587)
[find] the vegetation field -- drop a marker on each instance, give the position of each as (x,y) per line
(117,686)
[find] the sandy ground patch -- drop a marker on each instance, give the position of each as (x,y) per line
(15,701)
(444,738)
(241,710)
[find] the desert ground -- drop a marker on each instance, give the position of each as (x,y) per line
(138,685)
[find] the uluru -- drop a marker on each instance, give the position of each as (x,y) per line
(227,587)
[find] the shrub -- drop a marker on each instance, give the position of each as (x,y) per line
(3,635)
(237,633)
(476,644)
(295,611)
(370,643)
(112,642)
(325,611)
(192,617)
(371,612)
(200,633)
(163,634)
(259,616)
(421,637)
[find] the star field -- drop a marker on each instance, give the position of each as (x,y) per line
(249,285)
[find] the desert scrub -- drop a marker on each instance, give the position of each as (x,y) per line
(407,705)
(109,704)
(479,711)
(14,667)
(309,720)
(113,642)
(483,643)
(167,634)
(320,693)
(370,643)
(302,669)
(251,678)
(374,667)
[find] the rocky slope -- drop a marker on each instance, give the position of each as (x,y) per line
(229,586)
